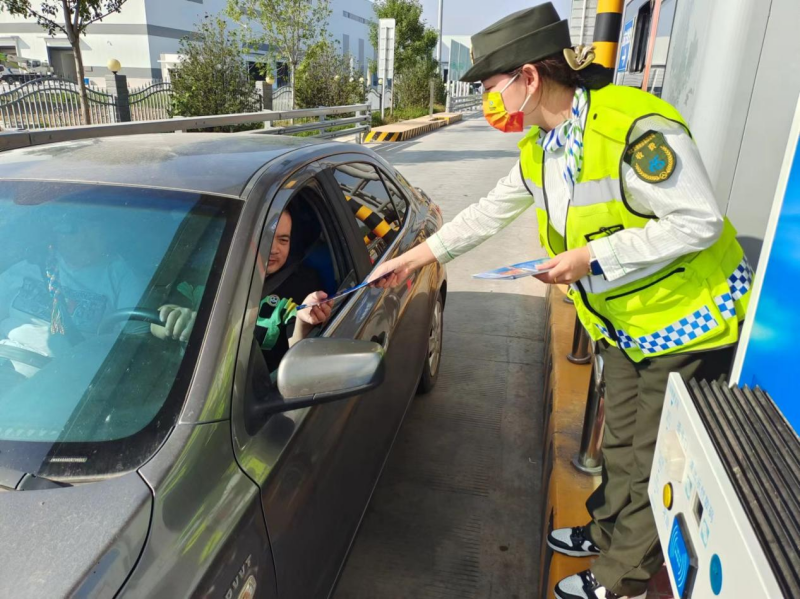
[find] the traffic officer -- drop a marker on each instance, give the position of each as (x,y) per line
(627,213)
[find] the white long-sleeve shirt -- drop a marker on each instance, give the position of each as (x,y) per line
(689,219)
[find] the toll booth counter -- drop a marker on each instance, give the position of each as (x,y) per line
(725,483)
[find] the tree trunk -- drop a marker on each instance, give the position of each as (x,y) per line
(76,50)
(291,83)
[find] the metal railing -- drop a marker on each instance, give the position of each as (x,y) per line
(282,98)
(580,353)
(361,120)
(49,102)
(590,456)
(463,103)
(151,102)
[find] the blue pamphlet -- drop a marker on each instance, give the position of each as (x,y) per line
(516,271)
(341,294)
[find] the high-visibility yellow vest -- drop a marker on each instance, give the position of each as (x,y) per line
(689,304)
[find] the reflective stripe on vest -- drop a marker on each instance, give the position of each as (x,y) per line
(692,303)
(691,326)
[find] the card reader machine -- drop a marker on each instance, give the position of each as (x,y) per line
(713,501)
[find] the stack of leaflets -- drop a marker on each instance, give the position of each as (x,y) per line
(516,271)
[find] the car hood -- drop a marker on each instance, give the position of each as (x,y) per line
(83,539)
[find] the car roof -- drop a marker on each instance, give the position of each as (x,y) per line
(216,163)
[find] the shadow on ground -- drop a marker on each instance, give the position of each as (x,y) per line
(456,513)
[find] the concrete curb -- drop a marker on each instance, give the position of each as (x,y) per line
(406,130)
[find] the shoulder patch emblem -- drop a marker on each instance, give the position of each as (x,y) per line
(651,158)
(273,300)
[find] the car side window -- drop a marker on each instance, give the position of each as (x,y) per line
(307,258)
(376,204)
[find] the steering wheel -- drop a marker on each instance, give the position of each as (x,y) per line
(26,356)
(125,314)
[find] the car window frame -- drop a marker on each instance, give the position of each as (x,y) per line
(385,177)
(329,164)
(245,439)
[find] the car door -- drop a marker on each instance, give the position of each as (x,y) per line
(316,467)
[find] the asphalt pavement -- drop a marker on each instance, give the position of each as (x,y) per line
(457,512)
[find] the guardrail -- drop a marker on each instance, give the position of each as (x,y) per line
(22,139)
(464,103)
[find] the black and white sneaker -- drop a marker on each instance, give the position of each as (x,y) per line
(584,585)
(572,542)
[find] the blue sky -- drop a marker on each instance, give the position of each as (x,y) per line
(466,17)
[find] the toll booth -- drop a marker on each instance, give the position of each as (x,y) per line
(725,483)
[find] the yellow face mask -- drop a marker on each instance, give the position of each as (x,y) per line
(494,109)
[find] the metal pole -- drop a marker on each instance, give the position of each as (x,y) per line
(439,51)
(651,46)
(590,456)
(382,98)
(580,345)
(606,31)
(583,19)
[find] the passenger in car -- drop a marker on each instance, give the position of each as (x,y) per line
(280,325)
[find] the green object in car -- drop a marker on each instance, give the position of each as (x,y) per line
(283,311)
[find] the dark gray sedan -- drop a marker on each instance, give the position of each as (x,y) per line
(167,426)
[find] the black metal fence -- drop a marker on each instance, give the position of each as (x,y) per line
(48,103)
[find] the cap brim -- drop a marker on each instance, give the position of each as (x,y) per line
(526,49)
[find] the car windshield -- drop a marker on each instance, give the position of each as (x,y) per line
(90,384)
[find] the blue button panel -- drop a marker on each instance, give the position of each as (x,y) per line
(682,561)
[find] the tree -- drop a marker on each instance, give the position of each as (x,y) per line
(288,27)
(325,78)
(70,17)
(412,88)
(212,77)
(414,40)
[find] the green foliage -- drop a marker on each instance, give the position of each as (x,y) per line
(211,77)
(324,78)
(412,86)
(288,27)
(414,40)
(414,64)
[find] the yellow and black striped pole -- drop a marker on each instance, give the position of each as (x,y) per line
(378,226)
(606,31)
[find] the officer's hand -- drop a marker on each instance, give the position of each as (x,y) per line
(178,322)
(568,267)
(315,315)
(390,274)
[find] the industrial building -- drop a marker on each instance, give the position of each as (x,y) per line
(145,37)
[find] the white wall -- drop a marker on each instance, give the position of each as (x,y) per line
(581,22)
(734,73)
(341,25)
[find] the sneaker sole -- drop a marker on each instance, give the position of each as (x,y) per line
(560,595)
(569,552)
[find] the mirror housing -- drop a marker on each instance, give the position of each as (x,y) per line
(322,370)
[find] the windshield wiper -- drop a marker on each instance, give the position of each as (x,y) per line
(16,480)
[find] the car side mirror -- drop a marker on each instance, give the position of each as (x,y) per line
(322,370)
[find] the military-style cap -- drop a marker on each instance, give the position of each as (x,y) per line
(525,36)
